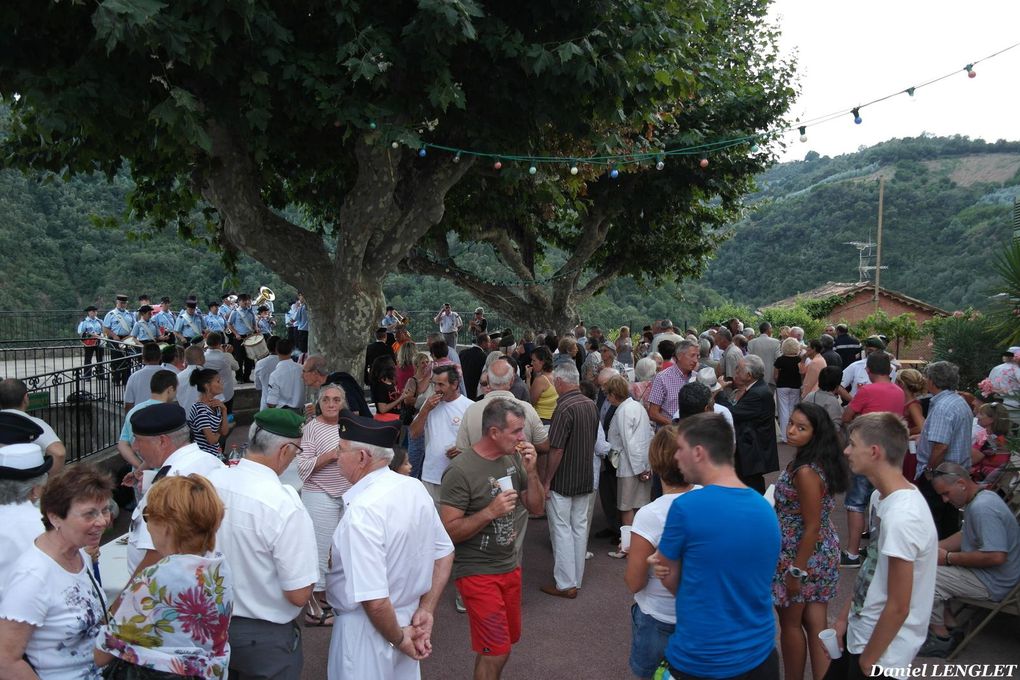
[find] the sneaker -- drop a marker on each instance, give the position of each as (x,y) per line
(938,647)
(847,561)
(459,604)
(588,555)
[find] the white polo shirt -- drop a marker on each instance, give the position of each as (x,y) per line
(268,540)
(386,544)
(441,428)
(286,388)
(225,365)
(137,389)
(264,368)
(183,462)
(48,436)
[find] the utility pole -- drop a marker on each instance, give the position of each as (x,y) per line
(878,253)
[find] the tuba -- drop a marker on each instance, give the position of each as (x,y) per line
(265,295)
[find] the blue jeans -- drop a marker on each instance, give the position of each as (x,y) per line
(858,495)
(647,642)
(416,454)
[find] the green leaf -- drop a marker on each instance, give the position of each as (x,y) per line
(568,50)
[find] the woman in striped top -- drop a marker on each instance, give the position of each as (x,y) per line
(208,416)
(323,488)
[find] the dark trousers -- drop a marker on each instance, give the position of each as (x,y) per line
(607,496)
(121,369)
(244,365)
(766,670)
(301,340)
(756,482)
(264,650)
(946,516)
(94,352)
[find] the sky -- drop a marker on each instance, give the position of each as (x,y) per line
(849,53)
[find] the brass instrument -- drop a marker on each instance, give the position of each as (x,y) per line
(265,295)
(401,319)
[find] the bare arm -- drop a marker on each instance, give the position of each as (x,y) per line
(14,637)
(384,619)
(534,496)
(938,452)
(418,425)
(636,575)
(657,415)
(553,464)
(59,454)
(897,606)
(299,597)
(915,418)
(461,527)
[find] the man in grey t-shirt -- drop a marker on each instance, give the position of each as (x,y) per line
(981,561)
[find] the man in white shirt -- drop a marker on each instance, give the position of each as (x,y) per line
(439,420)
(14,400)
(664,331)
(500,376)
(265,366)
(449,324)
(222,363)
(384,592)
(856,374)
(886,620)
(286,387)
(187,394)
(269,543)
(162,440)
(137,389)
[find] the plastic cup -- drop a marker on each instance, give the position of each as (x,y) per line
(147,476)
(506,483)
(912,446)
(828,638)
(625,538)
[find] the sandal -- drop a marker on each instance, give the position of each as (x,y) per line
(319,614)
(617,554)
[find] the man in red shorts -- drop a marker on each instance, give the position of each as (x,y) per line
(486,525)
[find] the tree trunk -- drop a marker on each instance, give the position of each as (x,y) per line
(342,318)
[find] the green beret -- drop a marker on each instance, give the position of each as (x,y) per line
(280,421)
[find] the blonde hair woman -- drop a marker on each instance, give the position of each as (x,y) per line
(788,378)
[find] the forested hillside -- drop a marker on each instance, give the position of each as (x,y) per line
(947,209)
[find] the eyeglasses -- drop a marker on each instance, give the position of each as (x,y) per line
(93,515)
(299,449)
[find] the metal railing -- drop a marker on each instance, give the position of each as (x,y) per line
(84,404)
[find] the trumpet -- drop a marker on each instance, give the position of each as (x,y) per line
(265,295)
(401,319)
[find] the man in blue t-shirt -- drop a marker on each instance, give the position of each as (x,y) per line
(726,537)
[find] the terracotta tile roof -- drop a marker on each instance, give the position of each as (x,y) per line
(846,289)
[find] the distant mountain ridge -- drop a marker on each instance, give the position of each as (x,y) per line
(948,203)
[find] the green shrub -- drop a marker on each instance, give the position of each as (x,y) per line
(968,341)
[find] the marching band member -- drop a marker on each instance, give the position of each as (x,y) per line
(213,321)
(190,324)
(90,330)
(144,329)
(117,325)
(165,319)
(241,323)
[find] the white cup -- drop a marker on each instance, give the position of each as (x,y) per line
(506,483)
(625,538)
(828,638)
(147,476)
(912,446)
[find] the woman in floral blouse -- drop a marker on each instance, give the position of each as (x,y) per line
(173,618)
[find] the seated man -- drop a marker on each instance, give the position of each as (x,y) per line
(981,561)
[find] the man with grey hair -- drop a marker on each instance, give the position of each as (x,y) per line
(945,438)
(269,543)
(982,561)
(663,331)
(384,592)
(23,473)
(797,333)
(162,440)
(569,480)
(731,355)
(662,396)
(754,414)
(500,376)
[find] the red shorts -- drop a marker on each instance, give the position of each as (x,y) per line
(493,604)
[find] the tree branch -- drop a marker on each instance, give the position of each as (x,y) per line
(493,295)
(232,186)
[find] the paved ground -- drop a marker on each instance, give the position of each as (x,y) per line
(590,636)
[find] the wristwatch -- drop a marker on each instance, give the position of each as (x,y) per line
(797,572)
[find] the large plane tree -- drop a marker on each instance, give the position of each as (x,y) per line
(293,131)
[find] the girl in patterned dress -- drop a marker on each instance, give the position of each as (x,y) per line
(808,570)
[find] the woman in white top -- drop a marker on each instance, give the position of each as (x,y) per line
(653,614)
(630,432)
(52,607)
(324,486)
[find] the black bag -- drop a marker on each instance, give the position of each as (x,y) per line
(408,411)
(118,669)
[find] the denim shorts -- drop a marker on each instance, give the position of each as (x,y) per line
(647,642)
(858,495)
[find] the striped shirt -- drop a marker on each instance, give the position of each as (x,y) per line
(201,417)
(319,438)
(574,429)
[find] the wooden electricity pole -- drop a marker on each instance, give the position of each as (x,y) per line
(878,252)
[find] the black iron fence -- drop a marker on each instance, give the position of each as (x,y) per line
(83,404)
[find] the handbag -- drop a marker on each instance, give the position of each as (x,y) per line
(408,411)
(118,669)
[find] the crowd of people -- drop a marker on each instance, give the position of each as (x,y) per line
(355,513)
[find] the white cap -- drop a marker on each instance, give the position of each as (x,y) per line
(1014,350)
(708,378)
(21,456)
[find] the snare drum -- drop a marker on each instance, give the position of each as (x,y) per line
(255,346)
